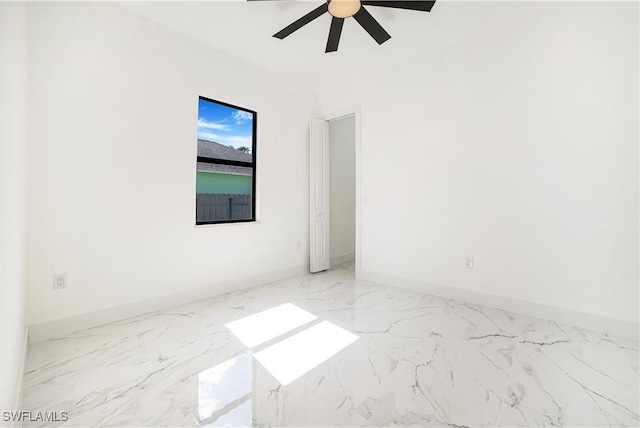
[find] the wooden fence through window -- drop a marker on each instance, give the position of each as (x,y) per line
(221,207)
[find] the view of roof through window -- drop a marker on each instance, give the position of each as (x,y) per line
(225,165)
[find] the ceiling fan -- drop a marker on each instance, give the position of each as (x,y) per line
(341,9)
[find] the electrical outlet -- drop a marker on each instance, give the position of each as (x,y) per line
(468,262)
(60,281)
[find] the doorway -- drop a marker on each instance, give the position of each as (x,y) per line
(335,190)
(342,190)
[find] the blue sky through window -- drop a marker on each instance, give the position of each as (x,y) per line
(224,125)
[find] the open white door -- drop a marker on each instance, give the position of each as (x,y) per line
(319,191)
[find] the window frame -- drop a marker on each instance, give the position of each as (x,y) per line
(217,161)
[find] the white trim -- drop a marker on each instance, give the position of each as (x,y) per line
(349,111)
(19,388)
(342,259)
(584,320)
(356,112)
(60,327)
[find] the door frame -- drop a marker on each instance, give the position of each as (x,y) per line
(354,111)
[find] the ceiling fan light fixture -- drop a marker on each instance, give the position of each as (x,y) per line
(341,9)
(344,8)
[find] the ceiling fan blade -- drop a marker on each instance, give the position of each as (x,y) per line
(371,26)
(334,34)
(320,10)
(422,5)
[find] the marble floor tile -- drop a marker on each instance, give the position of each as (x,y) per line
(630,350)
(329,350)
(566,376)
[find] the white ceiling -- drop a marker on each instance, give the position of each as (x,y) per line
(244,29)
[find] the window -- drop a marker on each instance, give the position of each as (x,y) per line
(226,165)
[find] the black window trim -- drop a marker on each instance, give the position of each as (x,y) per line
(252,165)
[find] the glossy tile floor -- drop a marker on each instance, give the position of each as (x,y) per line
(327,350)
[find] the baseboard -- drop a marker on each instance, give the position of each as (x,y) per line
(60,327)
(584,320)
(342,259)
(19,388)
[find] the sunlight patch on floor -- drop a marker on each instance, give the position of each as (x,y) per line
(269,324)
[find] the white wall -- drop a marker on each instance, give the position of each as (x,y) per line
(112,158)
(519,148)
(342,165)
(13,183)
